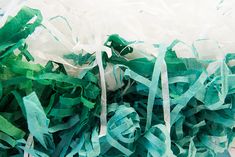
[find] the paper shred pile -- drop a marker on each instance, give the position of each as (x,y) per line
(164,106)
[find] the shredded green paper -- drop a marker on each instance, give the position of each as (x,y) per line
(162,106)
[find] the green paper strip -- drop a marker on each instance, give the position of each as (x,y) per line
(10,129)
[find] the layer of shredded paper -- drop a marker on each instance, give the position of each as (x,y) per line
(160,104)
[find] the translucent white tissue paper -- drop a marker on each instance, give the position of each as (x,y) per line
(72,25)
